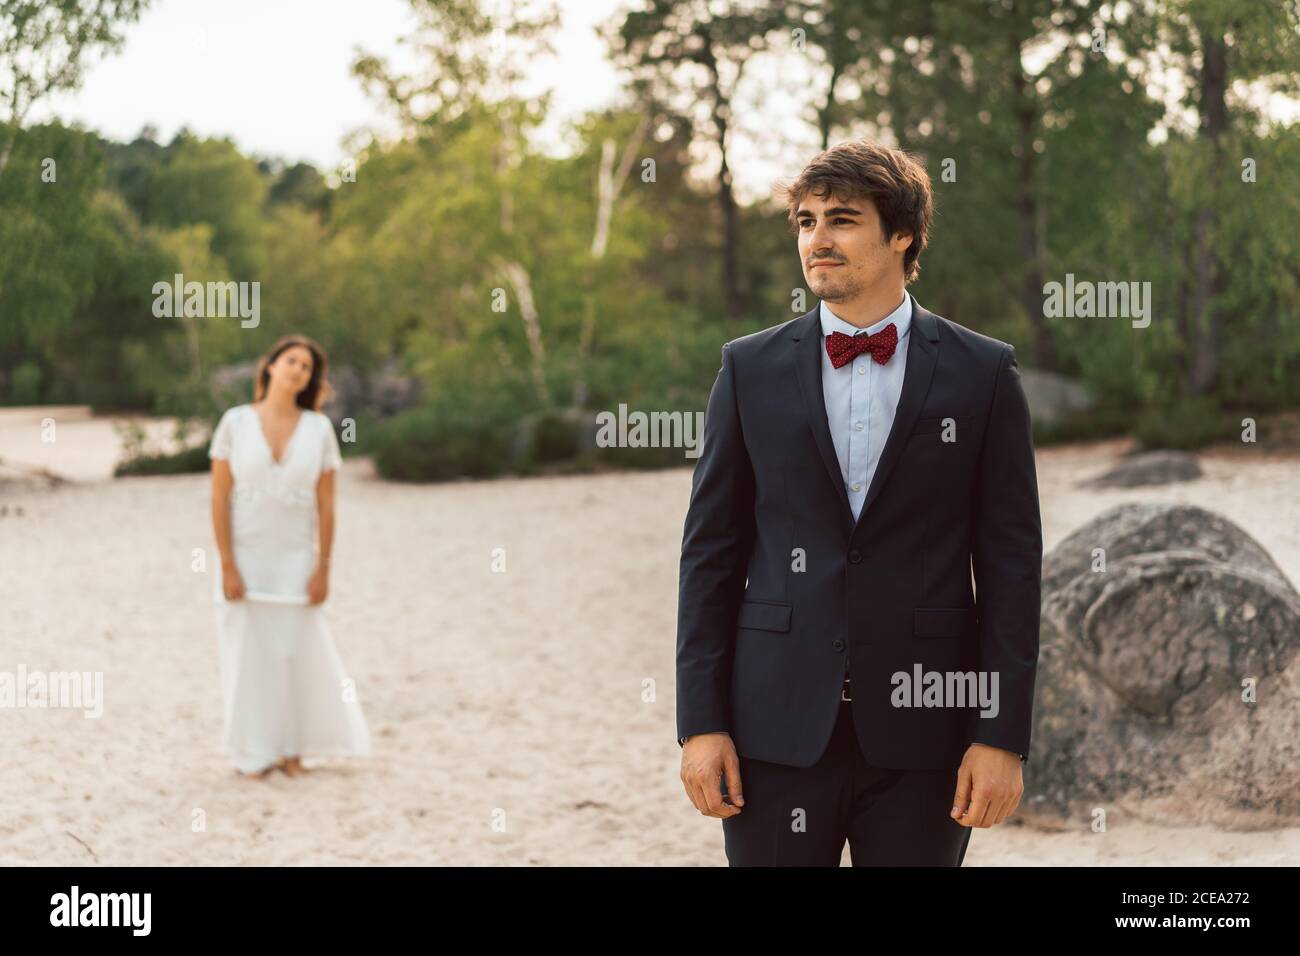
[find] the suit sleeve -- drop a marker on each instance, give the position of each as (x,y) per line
(1007,560)
(716,540)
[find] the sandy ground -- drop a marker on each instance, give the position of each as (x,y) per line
(523,717)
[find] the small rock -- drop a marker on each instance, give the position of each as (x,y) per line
(1148,468)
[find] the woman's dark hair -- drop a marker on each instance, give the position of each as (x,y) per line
(318,390)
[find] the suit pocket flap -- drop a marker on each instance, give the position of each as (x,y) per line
(943,621)
(764,616)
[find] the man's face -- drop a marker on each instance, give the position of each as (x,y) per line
(846,233)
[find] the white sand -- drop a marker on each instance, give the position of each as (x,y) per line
(519,691)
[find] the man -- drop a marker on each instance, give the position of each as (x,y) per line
(859,596)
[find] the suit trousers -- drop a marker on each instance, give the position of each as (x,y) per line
(801,816)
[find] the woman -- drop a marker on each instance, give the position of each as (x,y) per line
(273,466)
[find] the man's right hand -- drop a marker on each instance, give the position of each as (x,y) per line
(705,758)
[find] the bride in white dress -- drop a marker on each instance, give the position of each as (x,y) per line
(273,465)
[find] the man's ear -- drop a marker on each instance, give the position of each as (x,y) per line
(900,236)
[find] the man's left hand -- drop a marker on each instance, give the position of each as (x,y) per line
(989,786)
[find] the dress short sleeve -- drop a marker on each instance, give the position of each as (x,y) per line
(222,436)
(331,457)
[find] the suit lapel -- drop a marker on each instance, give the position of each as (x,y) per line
(806,334)
(922,356)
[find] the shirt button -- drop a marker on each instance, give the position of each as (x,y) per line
(855,486)
(837,644)
(862,370)
(855,556)
(857,426)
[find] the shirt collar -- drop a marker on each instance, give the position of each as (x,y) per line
(901,317)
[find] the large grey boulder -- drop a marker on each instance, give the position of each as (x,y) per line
(1148,468)
(1148,647)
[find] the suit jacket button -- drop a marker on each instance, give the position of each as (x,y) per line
(837,644)
(855,556)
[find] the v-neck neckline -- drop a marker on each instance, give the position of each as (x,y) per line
(267,443)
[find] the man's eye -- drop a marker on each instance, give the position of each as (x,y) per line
(838,220)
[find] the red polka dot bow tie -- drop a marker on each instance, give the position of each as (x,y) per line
(845,348)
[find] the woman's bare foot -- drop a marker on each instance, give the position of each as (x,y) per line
(292,766)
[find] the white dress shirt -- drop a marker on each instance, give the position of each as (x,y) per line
(861,398)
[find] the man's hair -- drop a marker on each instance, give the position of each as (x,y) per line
(895,183)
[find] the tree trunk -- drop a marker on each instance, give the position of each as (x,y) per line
(1027,214)
(608,186)
(734,303)
(826,115)
(1203,369)
(522,284)
(6,151)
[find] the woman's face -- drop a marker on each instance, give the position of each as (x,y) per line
(291,370)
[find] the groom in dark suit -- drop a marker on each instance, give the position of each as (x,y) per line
(858,611)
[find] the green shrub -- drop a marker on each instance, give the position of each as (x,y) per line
(184,462)
(444,441)
(1185,424)
(554,436)
(25,388)
(1103,421)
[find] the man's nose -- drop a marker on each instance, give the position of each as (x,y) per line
(820,245)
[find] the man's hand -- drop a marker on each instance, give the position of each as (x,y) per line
(989,786)
(705,757)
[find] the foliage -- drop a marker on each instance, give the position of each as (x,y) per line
(465,252)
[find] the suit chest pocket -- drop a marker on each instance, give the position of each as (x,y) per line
(945,429)
(941,453)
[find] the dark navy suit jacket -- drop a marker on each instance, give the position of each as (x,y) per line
(781,591)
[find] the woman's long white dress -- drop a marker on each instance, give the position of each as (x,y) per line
(286,691)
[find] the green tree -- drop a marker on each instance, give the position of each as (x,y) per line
(210,181)
(1214,44)
(694,53)
(46,268)
(43,44)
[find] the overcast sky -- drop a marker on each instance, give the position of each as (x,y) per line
(274,75)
